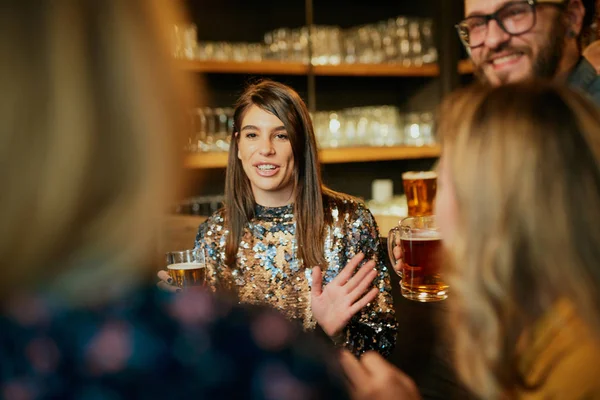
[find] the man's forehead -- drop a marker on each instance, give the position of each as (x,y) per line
(483,6)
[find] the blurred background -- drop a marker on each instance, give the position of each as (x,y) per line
(371,72)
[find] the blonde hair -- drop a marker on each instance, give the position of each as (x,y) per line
(524,166)
(90,109)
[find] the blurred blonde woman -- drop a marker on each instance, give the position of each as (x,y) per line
(90,110)
(519,210)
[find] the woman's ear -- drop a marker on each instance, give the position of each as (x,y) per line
(575,17)
(236,136)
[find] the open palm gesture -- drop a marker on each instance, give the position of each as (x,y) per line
(334,305)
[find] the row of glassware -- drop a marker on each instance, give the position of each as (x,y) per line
(200,205)
(401,40)
(359,126)
(373,126)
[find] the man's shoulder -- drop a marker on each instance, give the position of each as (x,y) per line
(585,78)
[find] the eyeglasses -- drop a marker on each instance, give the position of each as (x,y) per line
(514,18)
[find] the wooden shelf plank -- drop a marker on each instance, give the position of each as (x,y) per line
(465,67)
(376,70)
(230,67)
(293,68)
(330,156)
(365,154)
(206,160)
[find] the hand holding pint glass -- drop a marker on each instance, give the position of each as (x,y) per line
(415,248)
(187,268)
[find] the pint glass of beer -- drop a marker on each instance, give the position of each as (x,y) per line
(420,189)
(420,252)
(187,267)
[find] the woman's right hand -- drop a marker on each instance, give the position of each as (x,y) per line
(373,378)
(166,282)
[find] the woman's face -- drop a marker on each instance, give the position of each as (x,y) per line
(445,203)
(265,151)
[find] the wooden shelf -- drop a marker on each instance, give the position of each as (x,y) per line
(330,156)
(229,67)
(364,154)
(465,67)
(293,68)
(206,160)
(376,70)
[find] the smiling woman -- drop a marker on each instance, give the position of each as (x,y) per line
(281,227)
(265,151)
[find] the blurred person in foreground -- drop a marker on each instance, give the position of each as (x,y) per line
(89,113)
(519,211)
(511,41)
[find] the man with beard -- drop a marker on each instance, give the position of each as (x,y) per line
(511,41)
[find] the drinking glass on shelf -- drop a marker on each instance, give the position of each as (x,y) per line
(412,130)
(389,41)
(221,134)
(256,52)
(270,46)
(205,51)
(319,43)
(335,131)
(195,139)
(298,45)
(416,48)
(426,124)
(350,46)
(282,37)
(334,45)
(239,52)
(210,129)
(420,188)
(430,53)
(389,126)
(185,39)
(321,121)
(350,117)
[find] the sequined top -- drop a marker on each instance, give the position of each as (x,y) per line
(269,272)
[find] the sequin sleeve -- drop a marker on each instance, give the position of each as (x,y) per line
(211,239)
(375,327)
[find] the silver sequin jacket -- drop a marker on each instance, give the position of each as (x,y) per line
(268,271)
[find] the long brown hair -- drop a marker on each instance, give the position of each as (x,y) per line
(87,125)
(524,162)
(311,197)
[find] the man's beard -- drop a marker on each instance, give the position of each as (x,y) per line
(545,66)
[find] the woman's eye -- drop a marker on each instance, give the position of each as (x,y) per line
(282,136)
(251,135)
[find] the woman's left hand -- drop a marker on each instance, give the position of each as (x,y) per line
(334,305)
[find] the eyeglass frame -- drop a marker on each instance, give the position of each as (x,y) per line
(494,16)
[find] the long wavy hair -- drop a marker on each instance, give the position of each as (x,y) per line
(311,199)
(524,162)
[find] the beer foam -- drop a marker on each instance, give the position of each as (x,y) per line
(419,175)
(185,266)
(422,235)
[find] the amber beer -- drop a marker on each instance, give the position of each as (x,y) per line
(187,268)
(188,274)
(420,189)
(421,247)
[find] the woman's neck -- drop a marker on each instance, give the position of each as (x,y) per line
(273,199)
